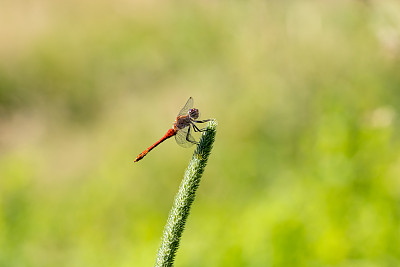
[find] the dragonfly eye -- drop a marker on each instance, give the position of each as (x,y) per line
(194,113)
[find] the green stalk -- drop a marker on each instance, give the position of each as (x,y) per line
(185,197)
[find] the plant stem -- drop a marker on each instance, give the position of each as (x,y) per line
(185,197)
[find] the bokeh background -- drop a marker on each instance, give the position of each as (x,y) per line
(305,170)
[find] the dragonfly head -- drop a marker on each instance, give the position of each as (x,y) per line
(194,113)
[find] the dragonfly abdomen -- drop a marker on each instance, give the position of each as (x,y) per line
(171,132)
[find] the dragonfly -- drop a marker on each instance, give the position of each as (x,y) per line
(182,128)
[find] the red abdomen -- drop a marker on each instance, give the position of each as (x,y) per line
(170,133)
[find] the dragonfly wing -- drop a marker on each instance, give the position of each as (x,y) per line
(184,138)
(187,107)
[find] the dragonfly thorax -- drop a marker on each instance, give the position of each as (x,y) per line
(194,113)
(182,122)
(185,120)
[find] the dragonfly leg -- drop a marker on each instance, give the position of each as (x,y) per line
(189,139)
(203,121)
(196,129)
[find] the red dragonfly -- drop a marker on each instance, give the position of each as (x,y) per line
(181,129)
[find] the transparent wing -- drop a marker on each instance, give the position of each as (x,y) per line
(184,138)
(187,107)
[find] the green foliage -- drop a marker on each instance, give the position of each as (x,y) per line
(307,164)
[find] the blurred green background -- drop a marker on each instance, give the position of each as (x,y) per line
(306,165)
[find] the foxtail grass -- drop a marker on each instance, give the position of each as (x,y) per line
(185,197)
